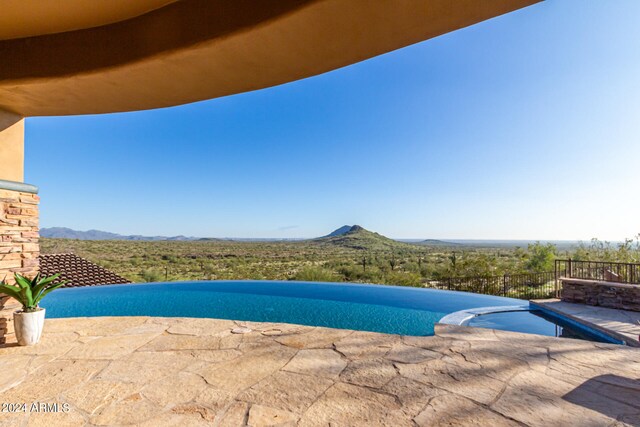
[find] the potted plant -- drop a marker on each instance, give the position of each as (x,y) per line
(29,321)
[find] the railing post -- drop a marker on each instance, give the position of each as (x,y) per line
(504,285)
(555,278)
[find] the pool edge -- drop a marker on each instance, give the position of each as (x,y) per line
(607,332)
(462,318)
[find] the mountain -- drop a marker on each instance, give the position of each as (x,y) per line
(357,237)
(68,233)
(434,242)
(340,231)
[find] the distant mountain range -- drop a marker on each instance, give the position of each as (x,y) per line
(68,233)
(434,242)
(352,236)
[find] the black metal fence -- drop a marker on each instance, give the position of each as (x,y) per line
(620,272)
(522,286)
(542,285)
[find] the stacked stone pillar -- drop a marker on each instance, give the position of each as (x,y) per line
(19,247)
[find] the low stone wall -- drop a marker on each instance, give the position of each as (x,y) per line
(7,307)
(19,247)
(604,294)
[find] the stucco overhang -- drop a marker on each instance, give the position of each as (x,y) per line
(135,55)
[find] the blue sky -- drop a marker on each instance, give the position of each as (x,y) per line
(526,126)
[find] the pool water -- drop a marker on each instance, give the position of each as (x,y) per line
(376,308)
(537,322)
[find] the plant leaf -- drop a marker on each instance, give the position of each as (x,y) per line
(26,286)
(46,280)
(28,296)
(49,289)
(12,291)
(22,281)
(41,284)
(45,291)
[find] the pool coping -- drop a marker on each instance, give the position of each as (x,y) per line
(460,318)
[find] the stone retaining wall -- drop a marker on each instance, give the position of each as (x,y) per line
(604,294)
(19,247)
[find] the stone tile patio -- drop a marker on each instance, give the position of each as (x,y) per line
(195,372)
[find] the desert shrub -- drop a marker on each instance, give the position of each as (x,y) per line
(541,257)
(316,274)
(403,279)
(597,250)
(358,274)
(151,275)
(411,266)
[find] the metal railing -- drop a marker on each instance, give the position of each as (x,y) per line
(522,286)
(541,285)
(620,272)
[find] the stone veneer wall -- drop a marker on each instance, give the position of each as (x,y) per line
(604,294)
(19,247)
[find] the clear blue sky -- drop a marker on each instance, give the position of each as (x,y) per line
(526,126)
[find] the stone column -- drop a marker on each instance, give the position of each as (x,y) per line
(19,248)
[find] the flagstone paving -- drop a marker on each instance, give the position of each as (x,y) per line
(195,372)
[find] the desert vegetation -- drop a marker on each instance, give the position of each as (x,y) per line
(360,256)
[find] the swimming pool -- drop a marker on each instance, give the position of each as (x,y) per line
(538,321)
(376,308)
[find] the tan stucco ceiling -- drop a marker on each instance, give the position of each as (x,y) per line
(193,50)
(26,18)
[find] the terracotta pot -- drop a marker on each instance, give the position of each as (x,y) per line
(28,326)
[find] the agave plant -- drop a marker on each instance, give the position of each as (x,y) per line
(29,292)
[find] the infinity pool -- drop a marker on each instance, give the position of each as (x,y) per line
(376,308)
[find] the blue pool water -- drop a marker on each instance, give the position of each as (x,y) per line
(376,308)
(541,323)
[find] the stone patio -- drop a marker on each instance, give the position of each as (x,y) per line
(195,372)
